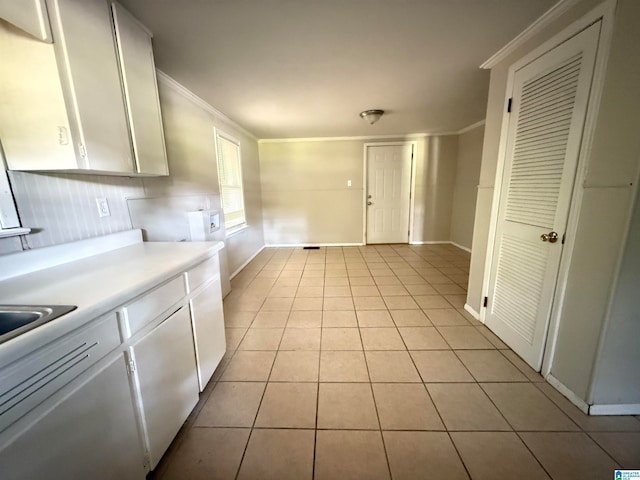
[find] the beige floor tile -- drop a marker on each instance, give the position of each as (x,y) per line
(233,337)
(624,447)
(387,281)
(237,319)
(305,319)
(492,455)
(422,338)
(208,454)
(336,281)
(464,406)
(343,366)
(312,282)
(423,456)
(278,455)
(520,364)
(300,339)
(446,317)
(346,406)
(341,291)
(299,366)
(312,274)
(489,335)
(261,339)
(391,366)
(422,289)
(527,408)
(284,292)
(277,305)
(412,280)
(591,423)
(369,303)
(231,404)
(349,455)
(307,303)
(393,290)
(410,318)
(440,366)
(247,366)
(381,339)
(310,291)
(490,366)
(338,303)
(270,320)
(431,301)
(339,318)
(405,406)
(341,339)
(288,405)
(466,338)
(374,318)
(364,281)
(358,272)
(400,303)
(287,282)
(569,455)
(365,291)
(244,304)
(449,289)
(457,301)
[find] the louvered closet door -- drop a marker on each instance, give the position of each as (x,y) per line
(545,129)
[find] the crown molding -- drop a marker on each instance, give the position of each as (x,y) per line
(536,27)
(184,91)
(473,126)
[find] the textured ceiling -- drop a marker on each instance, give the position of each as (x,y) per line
(306,68)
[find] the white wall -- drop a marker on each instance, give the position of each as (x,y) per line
(465,189)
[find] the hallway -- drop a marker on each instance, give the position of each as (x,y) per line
(361,363)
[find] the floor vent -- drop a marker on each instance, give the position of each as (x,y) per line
(311,248)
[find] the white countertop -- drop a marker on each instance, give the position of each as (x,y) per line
(96,285)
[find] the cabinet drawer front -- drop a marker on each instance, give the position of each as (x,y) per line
(142,311)
(203,273)
(42,373)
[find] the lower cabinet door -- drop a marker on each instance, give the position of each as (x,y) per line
(208,330)
(166,381)
(91,433)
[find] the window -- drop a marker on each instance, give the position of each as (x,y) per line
(230,178)
(9,221)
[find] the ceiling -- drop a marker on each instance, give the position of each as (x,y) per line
(306,68)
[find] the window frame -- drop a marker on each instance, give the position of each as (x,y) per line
(222,135)
(10,225)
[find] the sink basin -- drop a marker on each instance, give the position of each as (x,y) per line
(18,319)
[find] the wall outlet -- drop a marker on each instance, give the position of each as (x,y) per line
(103,207)
(348,183)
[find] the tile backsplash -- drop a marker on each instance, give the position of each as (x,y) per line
(62,208)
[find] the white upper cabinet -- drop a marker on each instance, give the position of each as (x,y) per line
(86,103)
(141,92)
(28,15)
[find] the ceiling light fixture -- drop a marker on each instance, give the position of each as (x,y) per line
(372,116)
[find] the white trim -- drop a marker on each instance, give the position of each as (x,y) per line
(399,137)
(13,232)
(622,409)
(473,313)
(412,181)
(466,249)
(535,28)
(473,126)
(572,397)
(235,230)
(239,269)
(295,245)
(170,82)
(431,242)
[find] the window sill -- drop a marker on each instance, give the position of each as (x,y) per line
(235,230)
(13,232)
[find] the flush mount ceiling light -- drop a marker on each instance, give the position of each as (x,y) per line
(372,116)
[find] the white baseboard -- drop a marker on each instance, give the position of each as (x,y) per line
(297,245)
(441,242)
(623,409)
(473,313)
(572,397)
(460,247)
(246,263)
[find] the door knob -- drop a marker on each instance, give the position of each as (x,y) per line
(551,237)
(369,203)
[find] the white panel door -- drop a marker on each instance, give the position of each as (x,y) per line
(388,193)
(549,105)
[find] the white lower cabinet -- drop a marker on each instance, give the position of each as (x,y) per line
(208,330)
(165,381)
(90,433)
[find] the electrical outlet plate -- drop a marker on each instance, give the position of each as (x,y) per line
(103,207)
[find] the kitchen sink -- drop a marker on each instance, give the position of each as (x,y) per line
(18,319)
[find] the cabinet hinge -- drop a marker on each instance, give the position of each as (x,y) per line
(509,105)
(82,150)
(564,237)
(131,366)
(486,301)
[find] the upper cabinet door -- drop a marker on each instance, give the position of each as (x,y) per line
(138,72)
(27,15)
(83,38)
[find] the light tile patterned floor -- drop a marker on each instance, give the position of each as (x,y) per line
(361,363)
